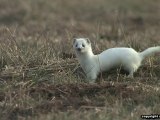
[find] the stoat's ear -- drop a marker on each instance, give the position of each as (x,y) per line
(88,41)
(74,40)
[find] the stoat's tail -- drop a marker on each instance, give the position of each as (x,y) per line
(150,51)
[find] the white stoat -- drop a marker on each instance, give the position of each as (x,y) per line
(92,65)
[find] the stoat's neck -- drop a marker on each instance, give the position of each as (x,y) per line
(86,55)
(87,60)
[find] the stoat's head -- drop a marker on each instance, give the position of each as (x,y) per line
(82,45)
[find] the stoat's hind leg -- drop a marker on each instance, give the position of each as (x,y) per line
(131,69)
(130,74)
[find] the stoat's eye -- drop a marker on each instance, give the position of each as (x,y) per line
(76,45)
(83,45)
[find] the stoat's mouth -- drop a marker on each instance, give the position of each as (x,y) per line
(79,49)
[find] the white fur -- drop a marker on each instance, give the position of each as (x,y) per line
(92,64)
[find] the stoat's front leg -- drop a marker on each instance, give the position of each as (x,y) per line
(92,76)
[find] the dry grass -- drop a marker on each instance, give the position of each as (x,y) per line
(40,77)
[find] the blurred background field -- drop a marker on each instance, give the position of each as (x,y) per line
(40,77)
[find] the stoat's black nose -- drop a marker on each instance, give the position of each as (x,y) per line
(79,49)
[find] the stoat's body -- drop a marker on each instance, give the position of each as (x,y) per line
(127,58)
